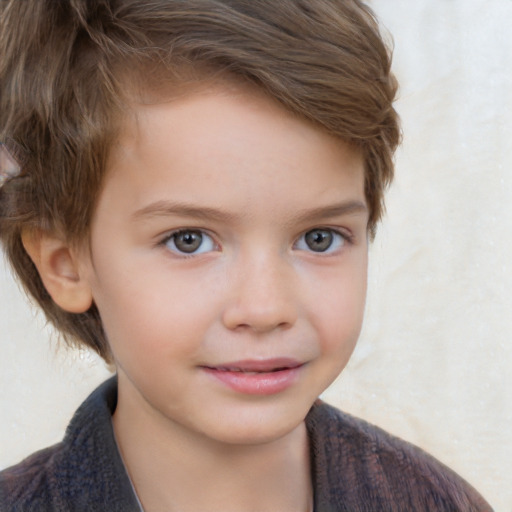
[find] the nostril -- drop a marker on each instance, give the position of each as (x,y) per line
(244,317)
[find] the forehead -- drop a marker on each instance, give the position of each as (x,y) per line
(220,138)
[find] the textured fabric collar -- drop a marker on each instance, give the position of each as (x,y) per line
(103,483)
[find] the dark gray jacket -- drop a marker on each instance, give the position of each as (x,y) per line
(356,467)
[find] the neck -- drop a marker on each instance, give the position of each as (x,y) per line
(173,469)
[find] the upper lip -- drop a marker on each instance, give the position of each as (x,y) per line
(257,365)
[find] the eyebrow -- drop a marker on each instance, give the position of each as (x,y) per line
(168,208)
(332,211)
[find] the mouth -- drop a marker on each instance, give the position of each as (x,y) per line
(258,366)
(257,377)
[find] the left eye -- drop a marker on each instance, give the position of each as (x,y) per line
(190,241)
(320,240)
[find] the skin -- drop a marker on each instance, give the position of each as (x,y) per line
(252,179)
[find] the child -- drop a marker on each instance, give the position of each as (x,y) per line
(188,187)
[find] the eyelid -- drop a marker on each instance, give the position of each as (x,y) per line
(346,235)
(164,240)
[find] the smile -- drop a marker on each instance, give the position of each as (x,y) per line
(240,370)
(255,377)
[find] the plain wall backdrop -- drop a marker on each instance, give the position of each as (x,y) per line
(434,362)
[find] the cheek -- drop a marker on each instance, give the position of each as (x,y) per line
(340,312)
(155,315)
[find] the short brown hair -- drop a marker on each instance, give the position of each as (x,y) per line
(64,74)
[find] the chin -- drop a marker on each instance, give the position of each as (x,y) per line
(264,427)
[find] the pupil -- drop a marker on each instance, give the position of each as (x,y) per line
(319,240)
(188,241)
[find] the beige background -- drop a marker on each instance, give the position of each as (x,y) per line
(434,361)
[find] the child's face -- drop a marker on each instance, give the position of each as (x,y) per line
(230,236)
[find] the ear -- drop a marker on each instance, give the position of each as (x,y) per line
(60,269)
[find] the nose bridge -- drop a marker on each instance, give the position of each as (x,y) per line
(262,297)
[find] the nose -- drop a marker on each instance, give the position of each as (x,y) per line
(262,296)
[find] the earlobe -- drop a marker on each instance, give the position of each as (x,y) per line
(60,269)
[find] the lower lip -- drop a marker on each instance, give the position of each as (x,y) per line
(257,383)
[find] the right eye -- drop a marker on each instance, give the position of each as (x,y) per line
(321,240)
(190,242)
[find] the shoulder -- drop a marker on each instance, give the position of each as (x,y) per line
(362,466)
(32,484)
(82,473)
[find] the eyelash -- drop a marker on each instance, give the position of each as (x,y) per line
(345,238)
(171,237)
